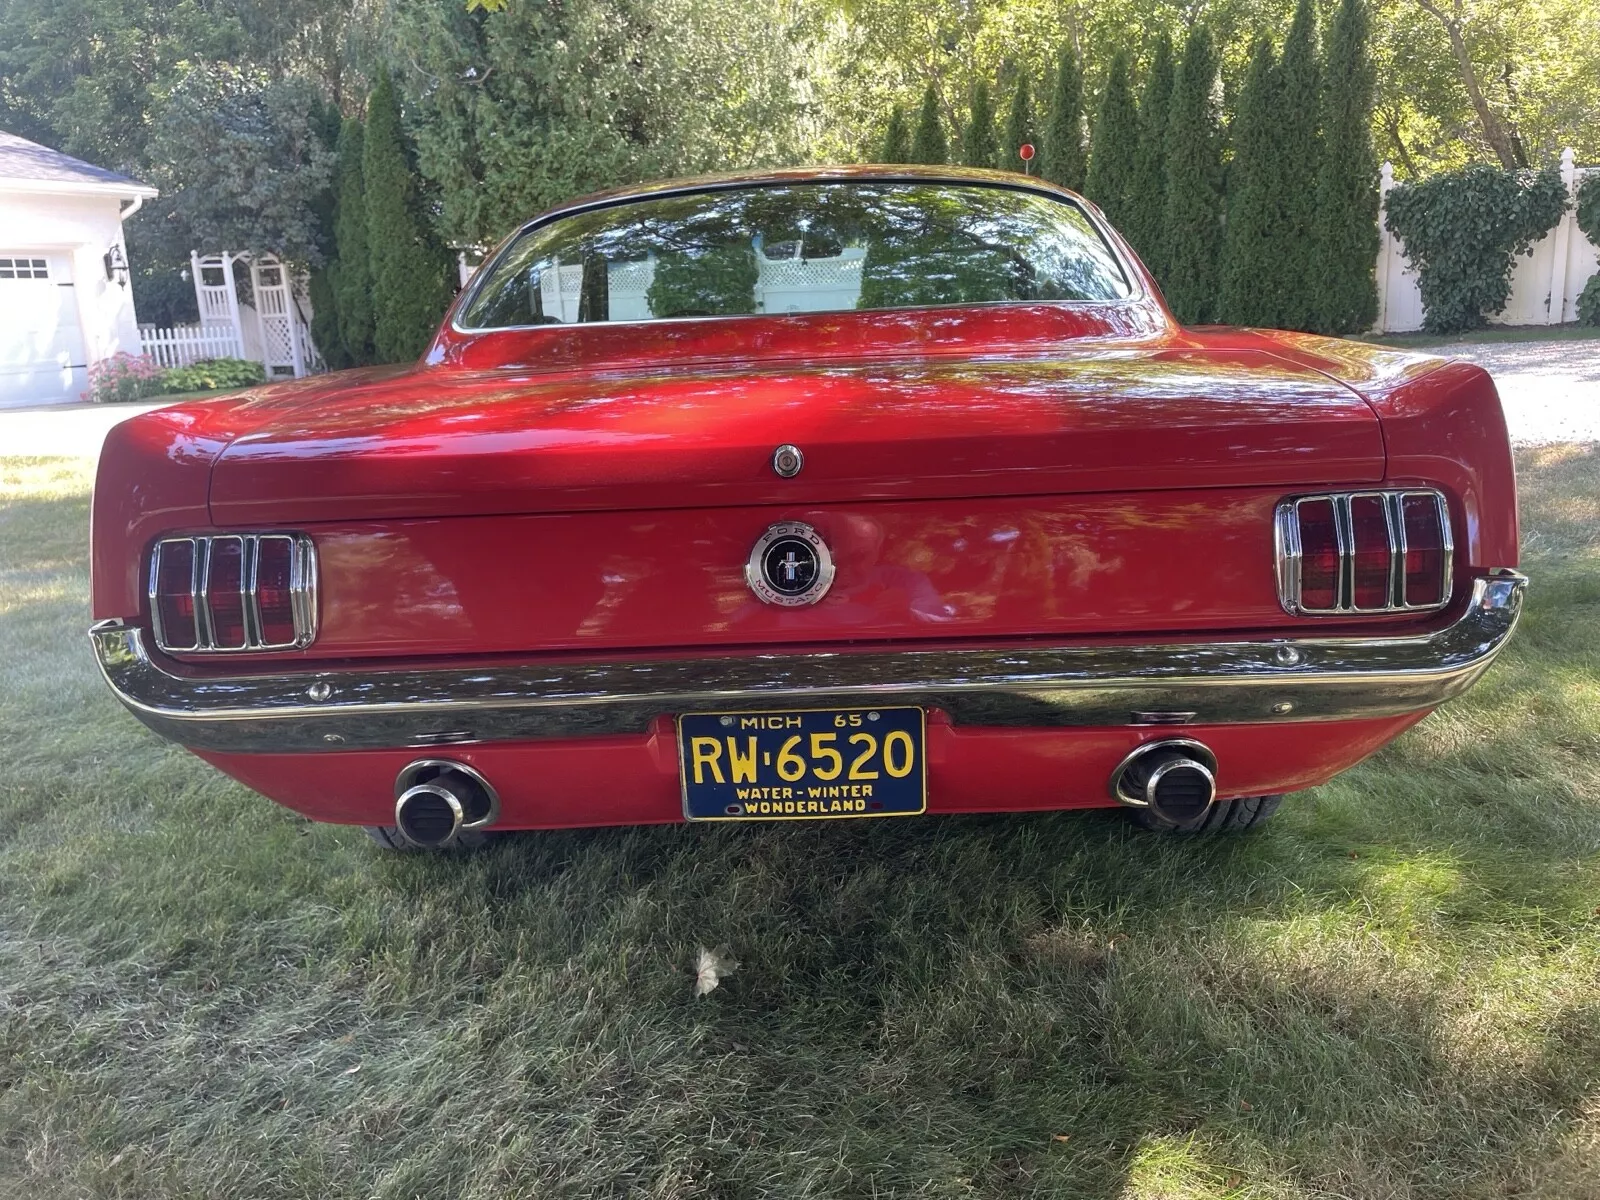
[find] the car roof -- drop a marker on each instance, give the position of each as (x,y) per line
(859,172)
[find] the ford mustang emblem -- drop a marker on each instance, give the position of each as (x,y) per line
(790,565)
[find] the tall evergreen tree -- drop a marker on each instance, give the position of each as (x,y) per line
(1347,185)
(1299,119)
(1145,224)
(1114,147)
(928,146)
(1019,126)
(1192,234)
(1061,159)
(409,280)
(977,140)
(1252,276)
(352,269)
(896,139)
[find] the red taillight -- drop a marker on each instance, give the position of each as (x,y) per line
(235,591)
(1369,529)
(1319,555)
(225,594)
(173,595)
(1364,552)
(1425,581)
(274,590)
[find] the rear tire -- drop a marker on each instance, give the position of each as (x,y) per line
(389,838)
(1225,816)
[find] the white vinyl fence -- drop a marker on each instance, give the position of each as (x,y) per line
(184,344)
(1544,286)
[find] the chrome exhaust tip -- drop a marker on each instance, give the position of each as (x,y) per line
(437,800)
(1176,779)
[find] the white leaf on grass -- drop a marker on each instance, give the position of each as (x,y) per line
(710,969)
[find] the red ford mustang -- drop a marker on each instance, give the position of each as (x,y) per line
(809,495)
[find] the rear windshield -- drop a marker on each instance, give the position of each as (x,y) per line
(798,248)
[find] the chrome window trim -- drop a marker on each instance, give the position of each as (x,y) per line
(1269,680)
(302,593)
(1289,551)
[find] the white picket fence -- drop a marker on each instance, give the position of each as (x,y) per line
(1544,285)
(183,344)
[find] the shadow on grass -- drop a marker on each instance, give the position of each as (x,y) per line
(1388,991)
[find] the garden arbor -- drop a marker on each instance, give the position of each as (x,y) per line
(271,325)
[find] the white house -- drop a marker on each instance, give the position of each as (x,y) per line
(64,295)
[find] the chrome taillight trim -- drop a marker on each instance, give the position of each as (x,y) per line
(302,592)
(1289,552)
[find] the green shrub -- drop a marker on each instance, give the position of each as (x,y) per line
(211,375)
(1461,229)
(1589,222)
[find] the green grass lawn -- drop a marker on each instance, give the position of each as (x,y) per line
(1491,333)
(1393,990)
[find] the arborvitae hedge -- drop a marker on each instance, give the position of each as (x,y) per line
(1251,278)
(1019,127)
(1147,205)
(1061,158)
(352,268)
(1347,185)
(896,139)
(977,140)
(929,145)
(1114,147)
(1299,150)
(1192,236)
(410,287)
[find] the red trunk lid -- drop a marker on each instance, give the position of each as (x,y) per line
(454,441)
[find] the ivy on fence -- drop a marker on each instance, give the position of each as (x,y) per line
(1461,230)
(1589,221)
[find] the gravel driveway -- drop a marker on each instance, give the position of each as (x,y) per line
(1551,392)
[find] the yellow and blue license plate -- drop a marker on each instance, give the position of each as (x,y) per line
(811,764)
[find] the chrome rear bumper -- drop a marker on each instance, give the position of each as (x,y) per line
(1301,679)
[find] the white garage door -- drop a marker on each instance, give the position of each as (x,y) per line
(41,342)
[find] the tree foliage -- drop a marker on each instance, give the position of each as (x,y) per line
(1114,147)
(1461,230)
(1192,233)
(1062,159)
(1345,229)
(352,275)
(896,139)
(1019,126)
(978,147)
(1145,226)
(929,145)
(1251,275)
(409,268)
(1297,136)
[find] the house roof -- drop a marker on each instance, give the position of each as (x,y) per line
(29,167)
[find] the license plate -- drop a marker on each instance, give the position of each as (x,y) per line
(812,764)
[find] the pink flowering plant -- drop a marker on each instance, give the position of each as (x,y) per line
(124,377)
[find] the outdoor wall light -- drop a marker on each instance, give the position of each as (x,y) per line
(116,265)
